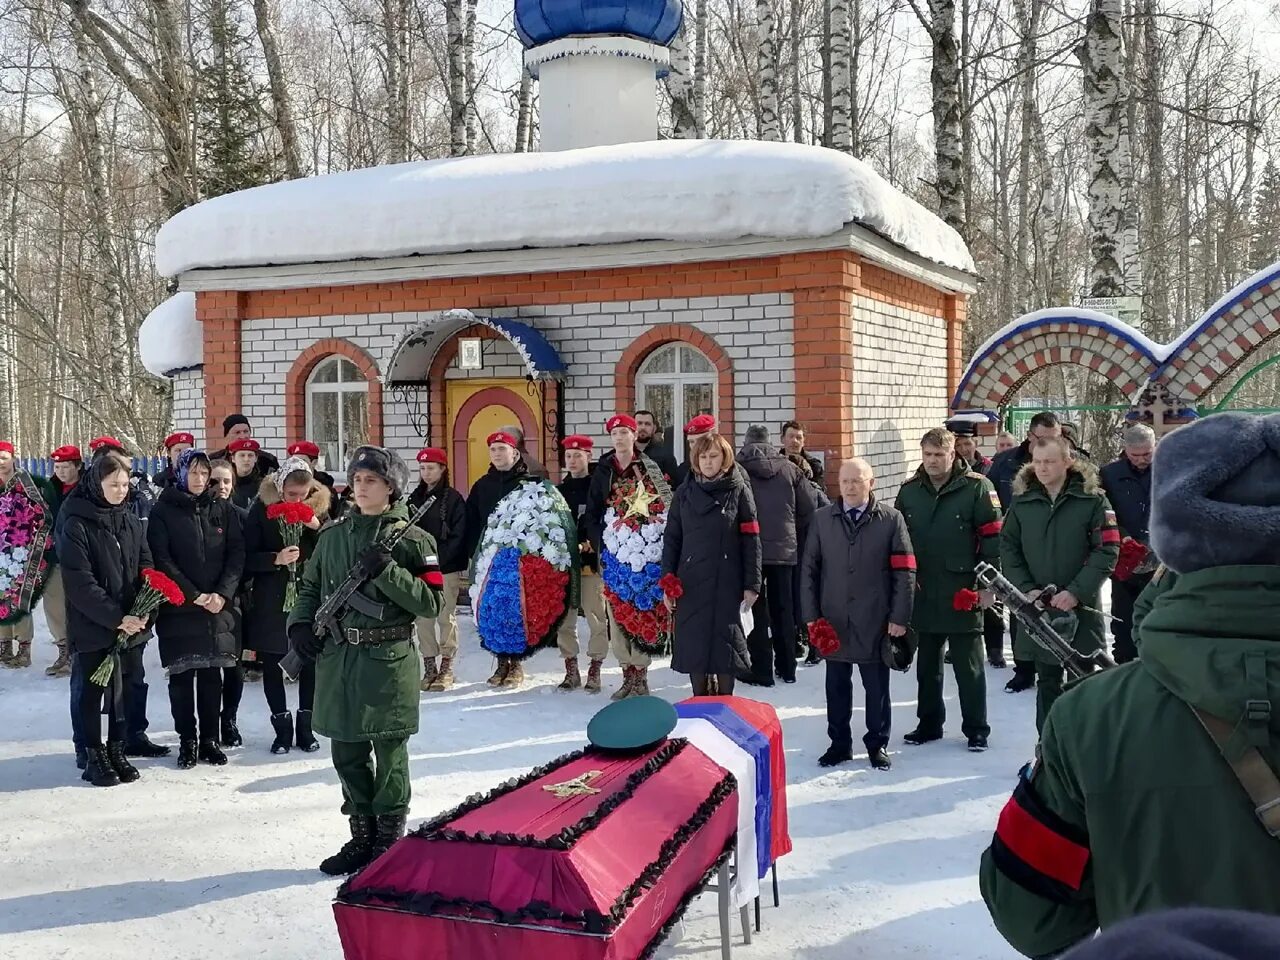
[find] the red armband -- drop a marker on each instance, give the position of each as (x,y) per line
(902,561)
(751,526)
(1037,849)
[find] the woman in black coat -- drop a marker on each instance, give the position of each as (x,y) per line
(712,545)
(103,552)
(197,541)
(266,567)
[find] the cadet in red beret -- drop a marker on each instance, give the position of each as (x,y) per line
(446,521)
(575,488)
(106,443)
(68,468)
(249,473)
(173,445)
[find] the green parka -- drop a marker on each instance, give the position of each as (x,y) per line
(1161,583)
(1131,807)
(952,529)
(1071,541)
(369,691)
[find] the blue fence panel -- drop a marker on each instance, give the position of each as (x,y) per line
(43,466)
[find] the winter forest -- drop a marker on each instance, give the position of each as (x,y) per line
(1101,148)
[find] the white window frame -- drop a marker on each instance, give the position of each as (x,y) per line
(338,386)
(678,380)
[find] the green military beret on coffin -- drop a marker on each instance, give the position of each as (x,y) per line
(632,724)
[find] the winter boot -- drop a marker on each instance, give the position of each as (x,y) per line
(23,657)
(572,678)
(593,677)
(99,771)
(429,673)
(444,677)
(306,739)
(628,684)
(125,770)
(355,853)
(500,674)
(388,828)
(62,666)
(283,724)
(141,746)
(82,758)
(515,675)
(210,752)
(6,652)
(186,754)
(641,687)
(230,733)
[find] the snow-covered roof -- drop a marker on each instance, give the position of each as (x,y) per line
(678,190)
(170,338)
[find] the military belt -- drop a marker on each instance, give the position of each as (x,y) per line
(375,635)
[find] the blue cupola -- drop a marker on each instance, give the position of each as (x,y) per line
(544,21)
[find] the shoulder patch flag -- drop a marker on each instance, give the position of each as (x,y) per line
(1111,517)
(994,498)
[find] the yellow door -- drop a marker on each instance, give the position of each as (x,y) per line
(476,408)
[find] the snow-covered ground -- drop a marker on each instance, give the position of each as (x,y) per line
(221,862)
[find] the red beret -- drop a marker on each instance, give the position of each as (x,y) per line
(97,443)
(6,446)
(303,448)
(436,455)
(66,454)
(577,442)
(174,439)
(702,423)
(621,420)
(247,443)
(501,437)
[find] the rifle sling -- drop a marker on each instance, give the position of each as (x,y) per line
(1251,769)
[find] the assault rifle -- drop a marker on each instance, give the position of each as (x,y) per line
(347,594)
(1035,620)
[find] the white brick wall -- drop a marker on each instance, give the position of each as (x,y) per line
(188,403)
(899,387)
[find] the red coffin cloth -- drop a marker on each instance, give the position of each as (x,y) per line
(764,718)
(452,890)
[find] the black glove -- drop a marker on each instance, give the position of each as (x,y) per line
(305,641)
(373,559)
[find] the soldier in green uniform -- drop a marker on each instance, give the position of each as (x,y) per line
(1059,530)
(366,697)
(954,520)
(1156,785)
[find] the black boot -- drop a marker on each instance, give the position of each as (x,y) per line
(82,759)
(355,853)
(388,829)
(230,733)
(125,770)
(306,740)
(210,752)
(186,754)
(283,724)
(98,769)
(141,746)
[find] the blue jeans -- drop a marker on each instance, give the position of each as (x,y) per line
(133,674)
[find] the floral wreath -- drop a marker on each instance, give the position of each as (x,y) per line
(525,574)
(635,521)
(26,548)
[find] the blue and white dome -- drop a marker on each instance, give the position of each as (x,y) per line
(542,21)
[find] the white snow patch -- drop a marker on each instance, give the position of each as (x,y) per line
(1160,351)
(679,190)
(170,337)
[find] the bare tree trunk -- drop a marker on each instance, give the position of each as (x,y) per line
(1156,308)
(281,95)
(855,71)
(767,67)
(524,112)
(680,80)
(969,64)
(827,92)
(797,102)
(469,41)
(454,16)
(1102,56)
(395,40)
(944,78)
(841,108)
(700,69)
(1027,14)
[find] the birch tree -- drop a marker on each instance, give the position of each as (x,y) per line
(281,94)
(944,82)
(767,57)
(455,16)
(841,103)
(679,82)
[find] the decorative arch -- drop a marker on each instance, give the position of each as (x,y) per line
(295,418)
(459,448)
(624,377)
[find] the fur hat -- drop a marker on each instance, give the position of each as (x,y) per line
(387,464)
(1215,493)
(1187,935)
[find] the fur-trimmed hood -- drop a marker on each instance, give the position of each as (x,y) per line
(1082,477)
(318,497)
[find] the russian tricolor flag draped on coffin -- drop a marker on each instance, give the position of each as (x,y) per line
(592,857)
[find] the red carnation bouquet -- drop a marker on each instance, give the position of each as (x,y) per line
(1132,555)
(965,600)
(292,517)
(156,589)
(670,584)
(822,637)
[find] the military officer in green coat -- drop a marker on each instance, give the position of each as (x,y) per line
(954,520)
(366,698)
(1133,806)
(1059,530)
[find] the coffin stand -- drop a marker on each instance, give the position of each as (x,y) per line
(594,857)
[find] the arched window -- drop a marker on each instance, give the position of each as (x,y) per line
(677,382)
(337,410)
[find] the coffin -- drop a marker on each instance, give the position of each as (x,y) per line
(593,857)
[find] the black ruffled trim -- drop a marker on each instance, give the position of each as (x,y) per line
(664,931)
(589,921)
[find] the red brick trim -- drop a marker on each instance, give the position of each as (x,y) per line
(624,377)
(220,313)
(295,391)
